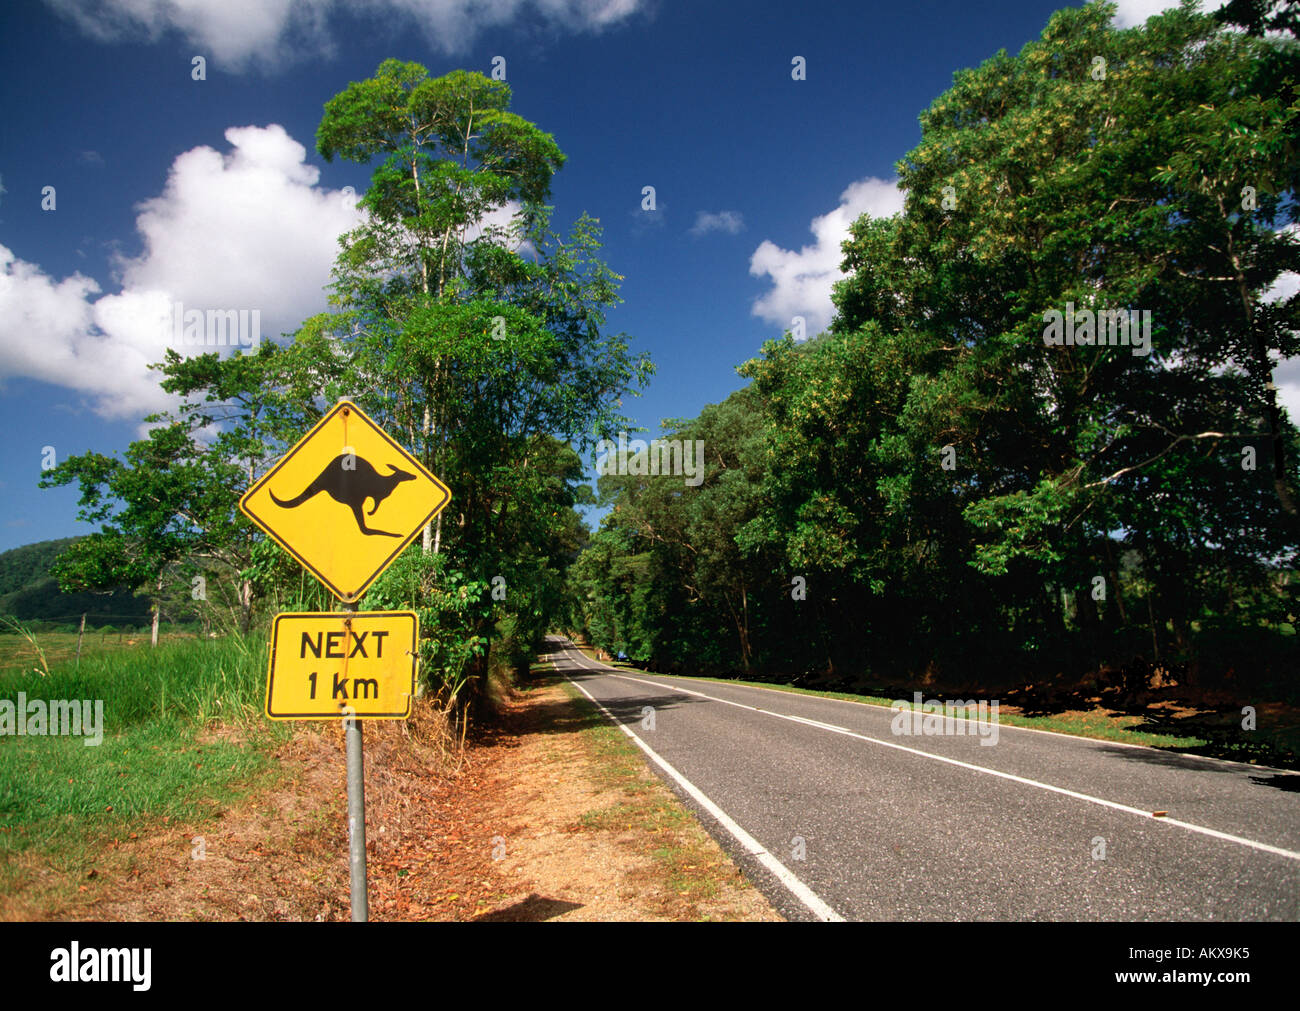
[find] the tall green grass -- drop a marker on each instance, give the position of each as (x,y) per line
(190,681)
(19,654)
(155,760)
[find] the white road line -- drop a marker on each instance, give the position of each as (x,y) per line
(1214,833)
(752,846)
(1252,766)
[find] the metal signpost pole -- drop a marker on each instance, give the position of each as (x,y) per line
(356,811)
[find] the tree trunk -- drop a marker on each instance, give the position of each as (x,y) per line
(157,610)
(245,606)
(1155,642)
(426,540)
(1113,574)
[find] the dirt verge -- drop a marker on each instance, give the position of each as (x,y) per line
(548,815)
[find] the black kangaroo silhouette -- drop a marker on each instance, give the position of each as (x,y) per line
(352,486)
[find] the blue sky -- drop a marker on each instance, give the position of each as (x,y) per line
(210,192)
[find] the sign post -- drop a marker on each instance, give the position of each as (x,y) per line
(356,809)
(313,504)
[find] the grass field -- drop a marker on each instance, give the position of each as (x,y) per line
(18,654)
(182,732)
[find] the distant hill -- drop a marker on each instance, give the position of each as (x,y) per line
(29,593)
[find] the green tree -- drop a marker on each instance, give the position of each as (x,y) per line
(972,501)
(452,153)
(169,505)
(488,351)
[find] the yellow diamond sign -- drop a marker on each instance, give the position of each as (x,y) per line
(345,501)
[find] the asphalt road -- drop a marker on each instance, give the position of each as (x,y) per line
(833,815)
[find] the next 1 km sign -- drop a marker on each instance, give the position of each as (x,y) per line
(334,664)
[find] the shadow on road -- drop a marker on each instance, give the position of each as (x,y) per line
(533,909)
(1169,760)
(628,709)
(1290,784)
(1194,763)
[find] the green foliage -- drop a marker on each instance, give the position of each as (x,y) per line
(31,563)
(488,361)
(31,594)
(485,363)
(959,496)
(451,608)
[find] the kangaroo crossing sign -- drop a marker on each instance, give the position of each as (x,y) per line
(345,501)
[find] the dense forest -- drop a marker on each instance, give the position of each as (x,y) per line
(1042,437)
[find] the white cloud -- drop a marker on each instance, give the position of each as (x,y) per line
(730,222)
(1287,378)
(801,281)
(1136,12)
(499,225)
(246,230)
(1287,372)
(1286,285)
(644,221)
(239,33)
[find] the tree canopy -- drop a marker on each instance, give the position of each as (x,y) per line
(939,484)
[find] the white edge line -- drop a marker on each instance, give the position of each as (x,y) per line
(1146,815)
(792,690)
(800,891)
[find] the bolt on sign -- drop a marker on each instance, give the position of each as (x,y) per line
(331,664)
(345,501)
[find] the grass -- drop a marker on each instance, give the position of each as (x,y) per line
(19,655)
(1215,736)
(182,736)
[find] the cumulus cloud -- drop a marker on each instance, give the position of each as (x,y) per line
(499,226)
(1285,287)
(1287,378)
(730,222)
(1136,12)
(801,280)
(240,33)
(247,230)
(1287,372)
